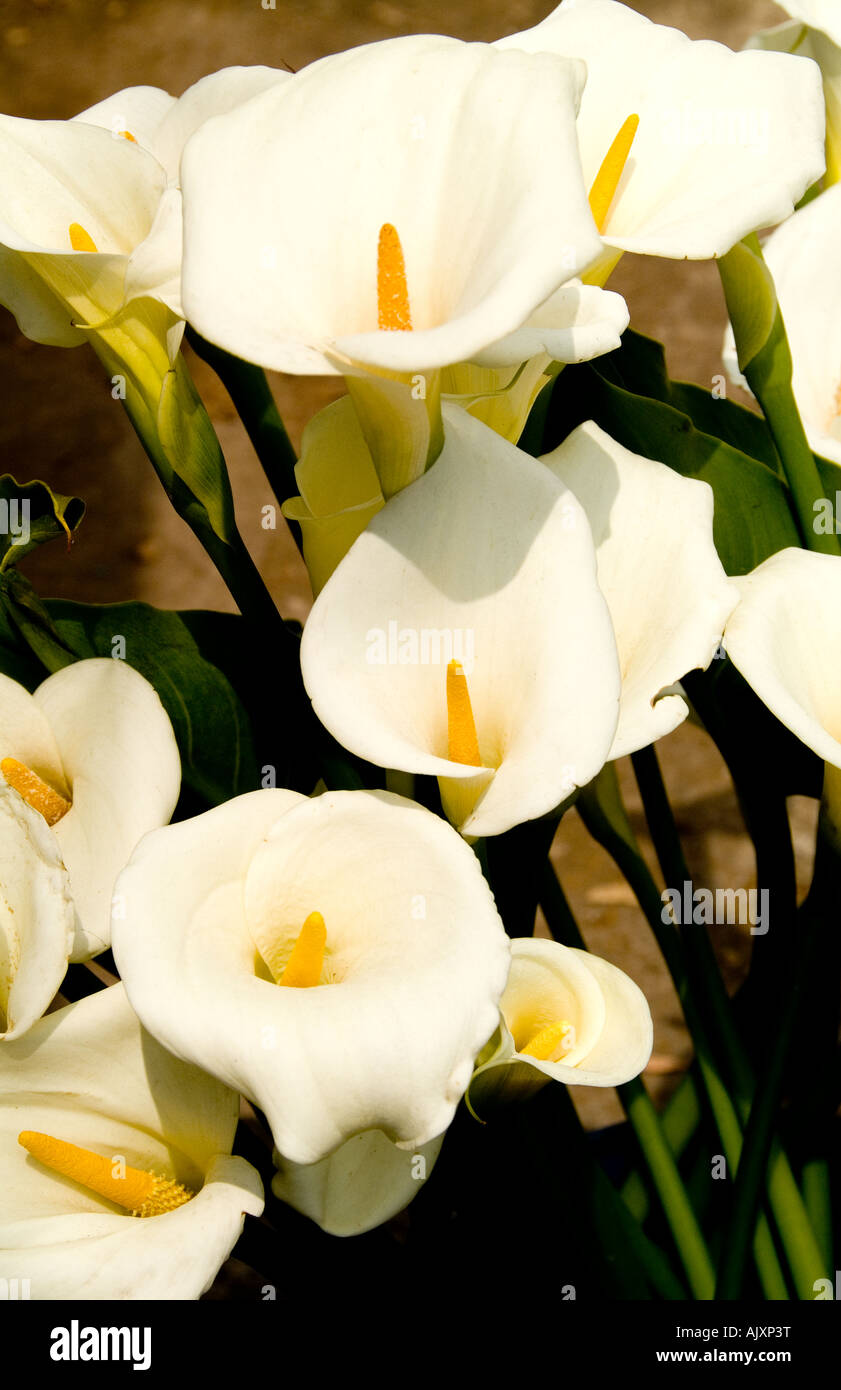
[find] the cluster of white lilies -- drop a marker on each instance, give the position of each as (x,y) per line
(435,221)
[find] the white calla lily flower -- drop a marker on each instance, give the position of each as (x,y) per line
(93,753)
(463,127)
(113,1124)
(568,1016)
(802,256)
(725,142)
(365,1182)
(785,639)
(464,635)
(337,960)
(37,917)
(659,570)
(90,216)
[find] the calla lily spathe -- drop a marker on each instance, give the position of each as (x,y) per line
(488,560)
(568,1016)
(89,1075)
(802,256)
(90,214)
(37,917)
(97,736)
(726,143)
(785,639)
(473,161)
(814,32)
(658,569)
(405,989)
(362,1184)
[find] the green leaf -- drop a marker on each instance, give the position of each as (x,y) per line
(30,515)
(210,723)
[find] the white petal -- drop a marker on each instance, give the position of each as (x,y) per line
(154,268)
(89,1074)
(802,256)
(820,14)
(41,315)
(727,142)
(59,172)
(36,915)
(578,322)
(26,734)
(417,951)
(213,95)
(122,767)
(486,559)
(364,1183)
(474,161)
(658,568)
(136,110)
(785,639)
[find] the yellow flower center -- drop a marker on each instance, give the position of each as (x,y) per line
(304,966)
(393,313)
(546,1042)
(127,135)
(607,179)
(80,240)
(463,743)
(36,793)
(141,1193)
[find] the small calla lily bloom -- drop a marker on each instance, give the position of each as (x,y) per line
(802,256)
(464,635)
(685,145)
(338,960)
(566,1015)
(93,753)
(118,1180)
(785,639)
(37,918)
(659,570)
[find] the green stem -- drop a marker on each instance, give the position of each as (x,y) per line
(757,1107)
(647,1127)
(668,1183)
(613,830)
(249,390)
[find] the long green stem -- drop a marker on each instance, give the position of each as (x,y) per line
(614,832)
(802,1249)
(249,390)
(646,1124)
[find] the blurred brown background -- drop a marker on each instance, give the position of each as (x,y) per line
(58,421)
